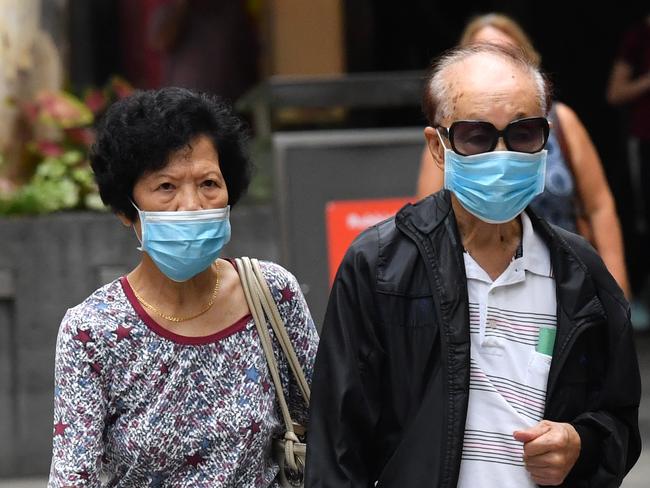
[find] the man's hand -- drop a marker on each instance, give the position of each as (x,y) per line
(550,451)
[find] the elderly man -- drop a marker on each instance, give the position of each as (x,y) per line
(467,342)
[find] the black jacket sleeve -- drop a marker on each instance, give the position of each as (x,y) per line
(610,437)
(609,434)
(345,403)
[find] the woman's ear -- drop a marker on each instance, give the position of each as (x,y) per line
(127,222)
(435,146)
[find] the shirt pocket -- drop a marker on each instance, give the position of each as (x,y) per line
(537,371)
(536,378)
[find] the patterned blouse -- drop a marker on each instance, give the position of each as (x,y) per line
(136,405)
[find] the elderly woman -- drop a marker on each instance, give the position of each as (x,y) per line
(467,342)
(160,376)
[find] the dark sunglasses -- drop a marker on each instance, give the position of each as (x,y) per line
(469,137)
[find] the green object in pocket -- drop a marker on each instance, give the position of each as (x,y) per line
(545,341)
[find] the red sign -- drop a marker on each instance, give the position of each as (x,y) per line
(346,219)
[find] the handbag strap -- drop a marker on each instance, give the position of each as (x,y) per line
(561,138)
(280,330)
(256,303)
(566,154)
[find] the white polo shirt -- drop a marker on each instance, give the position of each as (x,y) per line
(512,331)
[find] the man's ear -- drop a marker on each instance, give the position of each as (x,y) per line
(436,148)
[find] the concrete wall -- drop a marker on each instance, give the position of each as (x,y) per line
(48,264)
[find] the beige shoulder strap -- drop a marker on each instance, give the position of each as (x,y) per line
(277,323)
(261,303)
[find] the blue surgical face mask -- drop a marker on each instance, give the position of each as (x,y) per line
(184,243)
(495,186)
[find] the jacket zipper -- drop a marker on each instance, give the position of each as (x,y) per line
(413,235)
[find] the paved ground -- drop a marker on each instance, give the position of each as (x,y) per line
(637,478)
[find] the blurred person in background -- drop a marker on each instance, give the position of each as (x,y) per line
(207,45)
(467,342)
(576,193)
(160,377)
(629,87)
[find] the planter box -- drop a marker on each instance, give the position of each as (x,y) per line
(51,263)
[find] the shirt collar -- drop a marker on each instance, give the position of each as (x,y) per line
(532,255)
(536,256)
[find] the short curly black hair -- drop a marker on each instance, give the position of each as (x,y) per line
(138,134)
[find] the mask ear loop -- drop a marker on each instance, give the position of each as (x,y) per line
(140,216)
(440,139)
(444,168)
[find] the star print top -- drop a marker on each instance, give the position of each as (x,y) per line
(136,405)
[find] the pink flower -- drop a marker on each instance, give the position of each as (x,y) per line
(81,135)
(96,100)
(49,148)
(62,109)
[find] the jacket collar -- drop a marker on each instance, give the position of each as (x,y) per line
(429,213)
(577,291)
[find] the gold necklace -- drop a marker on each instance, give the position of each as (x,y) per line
(173,318)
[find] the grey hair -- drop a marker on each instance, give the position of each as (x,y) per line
(436,101)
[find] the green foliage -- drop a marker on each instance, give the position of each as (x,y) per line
(59,183)
(62,178)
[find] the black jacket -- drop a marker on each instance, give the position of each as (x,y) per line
(391,381)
